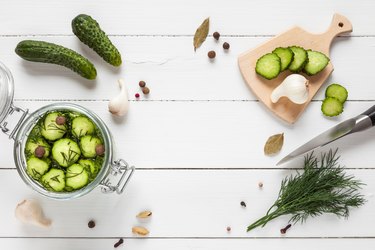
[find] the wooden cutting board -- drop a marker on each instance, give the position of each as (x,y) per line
(285,109)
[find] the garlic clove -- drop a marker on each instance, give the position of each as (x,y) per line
(294,87)
(30,212)
(119,105)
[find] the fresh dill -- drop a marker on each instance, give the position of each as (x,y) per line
(322,187)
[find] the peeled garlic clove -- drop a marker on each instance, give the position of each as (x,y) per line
(294,87)
(119,105)
(30,212)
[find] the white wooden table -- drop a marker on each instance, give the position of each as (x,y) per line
(197,140)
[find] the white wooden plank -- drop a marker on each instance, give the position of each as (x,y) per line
(173,71)
(214,134)
(184,203)
(188,244)
(170,17)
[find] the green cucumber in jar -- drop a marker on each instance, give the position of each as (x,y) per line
(89,145)
(54,180)
(76,177)
(33,145)
(65,152)
(50,129)
(89,32)
(36,167)
(91,167)
(82,126)
(44,52)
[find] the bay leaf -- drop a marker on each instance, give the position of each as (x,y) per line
(274,144)
(201,33)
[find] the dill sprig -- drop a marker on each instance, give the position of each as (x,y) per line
(317,190)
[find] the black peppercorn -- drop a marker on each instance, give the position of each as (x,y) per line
(211,54)
(91,224)
(243,204)
(226,45)
(216,35)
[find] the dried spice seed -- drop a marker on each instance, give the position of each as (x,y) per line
(274,144)
(99,149)
(39,151)
(118,243)
(283,230)
(144,214)
(243,204)
(260,184)
(226,45)
(201,33)
(60,120)
(229,229)
(142,84)
(216,35)
(91,224)
(145,90)
(140,230)
(211,54)
(137,95)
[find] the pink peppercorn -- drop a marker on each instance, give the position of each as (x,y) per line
(137,95)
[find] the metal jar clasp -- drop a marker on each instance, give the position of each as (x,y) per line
(4,124)
(121,169)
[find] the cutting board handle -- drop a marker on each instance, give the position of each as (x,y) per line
(339,25)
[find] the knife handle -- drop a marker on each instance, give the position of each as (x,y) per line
(371,114)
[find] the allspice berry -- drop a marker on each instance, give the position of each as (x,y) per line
(40,151)
(91,224)
(145,90)
(226,45)
(60,120)
(211,54)
(216,35)
(99,149)
(142,84)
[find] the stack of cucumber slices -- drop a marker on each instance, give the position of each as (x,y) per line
(294,58)
(64,151)
(336,96)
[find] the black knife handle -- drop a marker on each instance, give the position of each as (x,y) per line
(371,114)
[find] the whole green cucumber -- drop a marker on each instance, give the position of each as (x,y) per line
(90,33)
(40,51)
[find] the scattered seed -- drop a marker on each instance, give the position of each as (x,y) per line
(140,230)
(226,45)
(91,224)
(243,204)
(118,243)
(260,184)
(283,230)
(229,229)
(99,149)
(211,54)
(145,90)
(137,95)
(144,214)
(60,120)
(142,84)
(39,151)
(216,35)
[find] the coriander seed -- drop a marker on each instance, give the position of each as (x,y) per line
(226,45)
(145,90)
(142,84)
(211,54)
(216,35)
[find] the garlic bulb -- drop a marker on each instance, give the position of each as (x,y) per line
(119,105)
(294,87)
(29,211)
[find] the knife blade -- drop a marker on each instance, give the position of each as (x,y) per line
(359,123)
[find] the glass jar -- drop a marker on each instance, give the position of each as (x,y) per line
(111,170)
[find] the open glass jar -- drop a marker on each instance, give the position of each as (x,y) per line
(110,170)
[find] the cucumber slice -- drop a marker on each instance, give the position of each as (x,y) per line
(76,176)
(286,56)
(65,152)
(33,143)
(299,60)
(317,61)
(36,167)
(332,107)
(91,167)
(50,129)
(268,66)
(81,126)
(337,91)
(88,145)
(54,180)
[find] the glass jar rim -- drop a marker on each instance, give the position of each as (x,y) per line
(28,124)
(6,91)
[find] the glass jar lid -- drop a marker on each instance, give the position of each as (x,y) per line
(6,91)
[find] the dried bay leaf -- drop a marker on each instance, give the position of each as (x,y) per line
(274,144)
(201,33)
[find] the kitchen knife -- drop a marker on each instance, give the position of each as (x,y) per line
(359,123)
